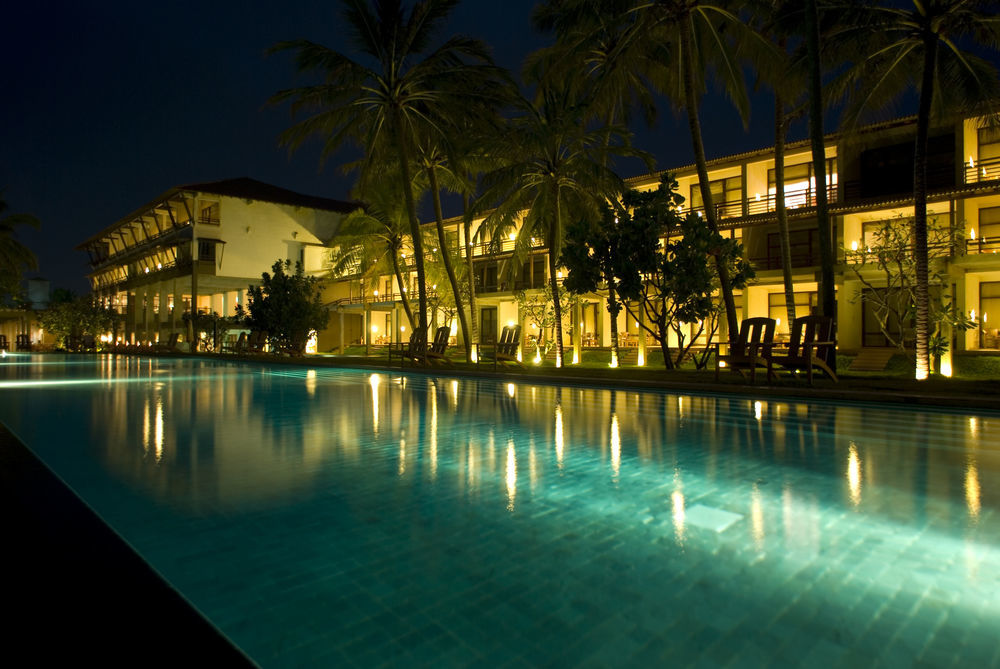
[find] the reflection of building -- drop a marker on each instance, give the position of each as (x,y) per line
(204,244)
(870,180)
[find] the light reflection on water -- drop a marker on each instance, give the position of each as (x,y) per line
(219,443)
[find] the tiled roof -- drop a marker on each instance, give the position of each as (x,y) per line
(251,189)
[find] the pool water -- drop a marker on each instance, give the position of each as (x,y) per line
(324,517)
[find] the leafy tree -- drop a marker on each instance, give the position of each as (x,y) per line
(287,306)
(539,309)
(72,317)
(15,257)
(887,270)
(672,255)
(926,46)
(593,257)
(405,91)
(214,327)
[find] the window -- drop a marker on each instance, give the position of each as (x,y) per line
(209,214)
(805,303)
(206,249)
(727,196)
(488,324)
(801,244)
(800,184)
(987,239)
(989,314)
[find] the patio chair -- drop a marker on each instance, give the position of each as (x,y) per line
(415,349)
(240,346)
(438,347)
(23,342)
(811,346)
(750,349)
(170,346)
(505,349)
(256,341)
(4,344)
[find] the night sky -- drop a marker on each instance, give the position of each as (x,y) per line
(106,105)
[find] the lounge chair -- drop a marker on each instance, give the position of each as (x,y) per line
(810,346)
(256,342)
(4,345)
(23,342)
(240,346)
(750,349)
(170,346)
(415,349)
(438,347)
(505,349)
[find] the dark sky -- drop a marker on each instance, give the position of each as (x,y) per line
(106,105)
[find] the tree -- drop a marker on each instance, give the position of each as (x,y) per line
(594,257)
(701,34)
(70,317)
(538,309)
(371,240)
(555,168)
(672,255)
(287,306)
(886,267)
(926,46)
(15,257)
(405,91)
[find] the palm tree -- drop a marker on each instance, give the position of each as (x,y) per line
(15,257)
(405,91)
(371,240)
(927,46)
(701,35)
(555,167)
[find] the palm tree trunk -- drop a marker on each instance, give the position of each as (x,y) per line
(614,308)
(467,223)
(694,124)
(446,257)
(920,206)
(402,293)
(828,301)
(554,236)
(411,210)
(779,205)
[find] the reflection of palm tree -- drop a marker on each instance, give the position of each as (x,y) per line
(386,106)
(923,46)
(15,257)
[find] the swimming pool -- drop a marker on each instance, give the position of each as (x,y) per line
(321,516)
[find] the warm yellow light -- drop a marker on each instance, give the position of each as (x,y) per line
(972,163)
(616,446)
(854,245)
(777,321)
(946,368)
(854,474)
(641,359)
(475,353)
(559,274)
(576,357)
(538,358)
(510,324)
(972,493)
(510,475)
(375,293)
(511,389)
(722,363)
(512,236)
(312,345)
(972,234)
(972,314)
(402,328)
(534,327)
(374,328)
(758,410)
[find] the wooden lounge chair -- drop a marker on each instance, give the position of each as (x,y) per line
(438,347)
(811,346)
(240,346)
(170,346)
(4,345)
(256,342)
(23,342)
(505,348)
(750,349)
(415,349)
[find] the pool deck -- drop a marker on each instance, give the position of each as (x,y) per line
(75,593)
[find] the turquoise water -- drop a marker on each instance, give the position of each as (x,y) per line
(327,517)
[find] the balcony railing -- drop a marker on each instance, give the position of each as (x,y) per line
(982,245)
(794,199)
(983,170)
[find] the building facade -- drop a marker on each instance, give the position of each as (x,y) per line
(869,184)
(200,246)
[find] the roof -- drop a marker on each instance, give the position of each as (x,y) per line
(242,187)
(251,189)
